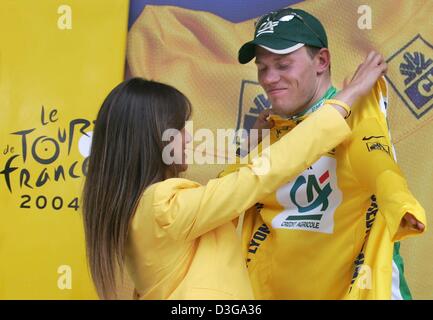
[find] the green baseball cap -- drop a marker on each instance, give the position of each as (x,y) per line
(284,31)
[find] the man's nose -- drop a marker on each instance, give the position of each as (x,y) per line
(270,76)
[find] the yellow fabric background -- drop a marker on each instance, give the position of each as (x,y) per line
(197,52)
(71,71)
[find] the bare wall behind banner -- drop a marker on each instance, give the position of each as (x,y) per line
(196,51)
(58,61)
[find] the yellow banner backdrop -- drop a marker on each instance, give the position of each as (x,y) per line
(58,60)
(197,52)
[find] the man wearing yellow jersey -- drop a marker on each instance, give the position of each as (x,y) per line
(331,232)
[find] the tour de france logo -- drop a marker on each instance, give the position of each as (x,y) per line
(410,74)
(42,160)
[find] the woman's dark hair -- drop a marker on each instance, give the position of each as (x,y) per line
(125,158)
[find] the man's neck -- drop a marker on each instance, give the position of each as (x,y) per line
(319,94)
(322,88)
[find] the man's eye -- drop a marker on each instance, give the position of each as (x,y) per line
(283,66)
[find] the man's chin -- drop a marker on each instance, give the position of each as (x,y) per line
(286,110)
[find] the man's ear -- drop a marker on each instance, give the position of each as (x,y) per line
(323,60)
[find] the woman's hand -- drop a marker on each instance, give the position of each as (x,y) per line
(366,75)
(410,220)
(263,121)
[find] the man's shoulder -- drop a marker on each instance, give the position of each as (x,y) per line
(372,105)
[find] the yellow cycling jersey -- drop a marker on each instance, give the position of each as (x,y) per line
(316,236)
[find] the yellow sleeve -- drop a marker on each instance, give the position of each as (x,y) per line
(186,210)
(371,156)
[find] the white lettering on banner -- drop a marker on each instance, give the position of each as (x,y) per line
(365,20)
(64,282)
(220,149)
(64,22)
(199,311)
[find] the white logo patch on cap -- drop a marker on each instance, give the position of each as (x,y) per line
(287,18)
(268,25)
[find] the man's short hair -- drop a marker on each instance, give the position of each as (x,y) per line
(312,51)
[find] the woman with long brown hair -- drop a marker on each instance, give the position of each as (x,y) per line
(175,236)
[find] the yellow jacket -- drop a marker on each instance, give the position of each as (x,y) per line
(330,232)
(182,243)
